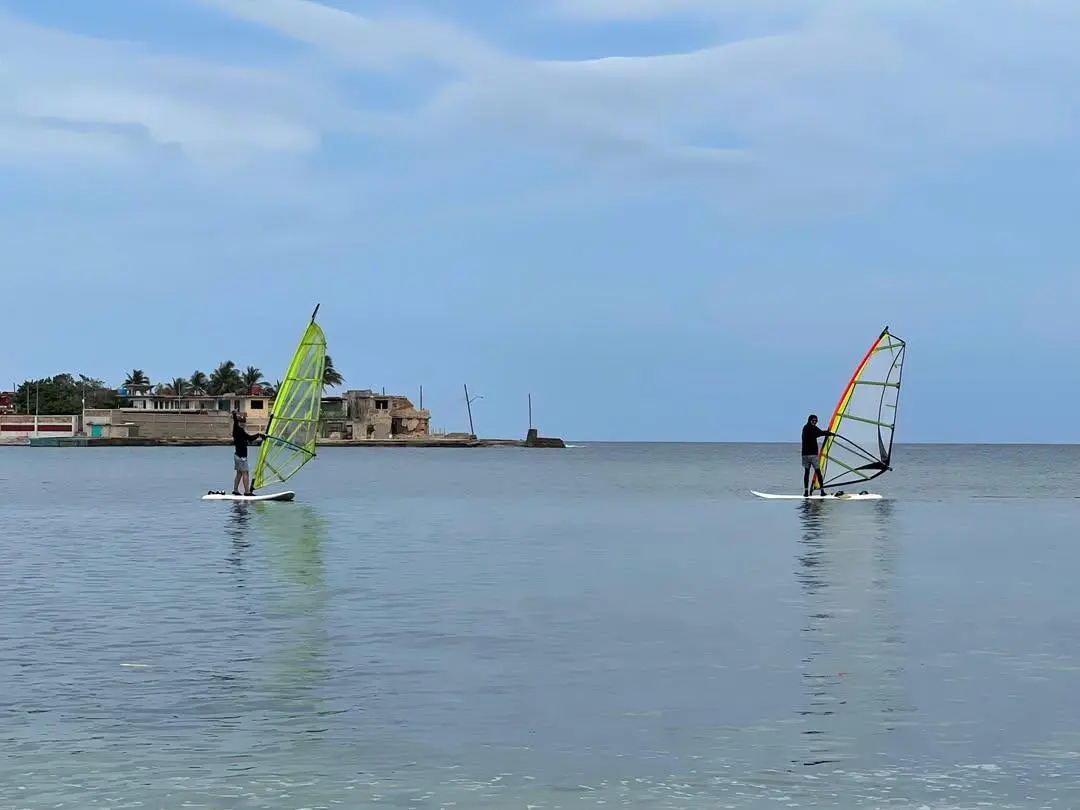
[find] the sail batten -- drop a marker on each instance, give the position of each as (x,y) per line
(865,417)
(292,429)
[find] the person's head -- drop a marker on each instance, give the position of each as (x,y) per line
(811,419)
(239,417)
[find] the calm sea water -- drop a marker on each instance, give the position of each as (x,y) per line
(606,626)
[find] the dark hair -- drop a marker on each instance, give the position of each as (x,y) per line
(811,416)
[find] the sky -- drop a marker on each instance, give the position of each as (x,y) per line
(668,220)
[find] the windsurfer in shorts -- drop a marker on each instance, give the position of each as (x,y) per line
(810,434)
(240,440)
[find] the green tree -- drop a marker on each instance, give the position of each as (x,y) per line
(198,383)
(225,379)
(137,380)
(63,394)
(251,377)
(331,376)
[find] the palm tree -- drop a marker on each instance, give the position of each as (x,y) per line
(331,377)
(225,379)
(251,377)
(177,388)
(198,382)
(137,380)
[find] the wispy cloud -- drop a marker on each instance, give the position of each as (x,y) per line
(828,97)
(389,43)
(645,10)
(75,96)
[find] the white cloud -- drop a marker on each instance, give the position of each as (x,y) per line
(82,97)
(841,94)
(833,99)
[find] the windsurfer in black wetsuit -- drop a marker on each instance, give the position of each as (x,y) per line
(810,434)
(240,439)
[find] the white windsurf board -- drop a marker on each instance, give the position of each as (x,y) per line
(288,495)
(847,496)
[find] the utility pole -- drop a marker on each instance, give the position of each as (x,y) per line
(468,406)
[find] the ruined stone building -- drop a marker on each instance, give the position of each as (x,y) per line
(364,414)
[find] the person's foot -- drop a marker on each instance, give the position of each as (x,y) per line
(236,492)
(250,494)
(806,493)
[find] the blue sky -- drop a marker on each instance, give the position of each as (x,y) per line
(667,219)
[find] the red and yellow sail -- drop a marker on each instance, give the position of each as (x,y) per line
(865,417)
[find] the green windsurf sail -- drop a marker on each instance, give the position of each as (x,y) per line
(293,426)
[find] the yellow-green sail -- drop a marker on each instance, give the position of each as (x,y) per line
(293,426)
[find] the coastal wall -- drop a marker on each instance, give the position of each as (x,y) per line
(148,424)
(17,427)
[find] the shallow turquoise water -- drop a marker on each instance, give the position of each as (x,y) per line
(611,625)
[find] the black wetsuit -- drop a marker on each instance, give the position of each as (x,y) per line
(810,435)
(240,439)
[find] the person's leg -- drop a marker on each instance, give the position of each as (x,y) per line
(818,477)
(805,475)
(239,474)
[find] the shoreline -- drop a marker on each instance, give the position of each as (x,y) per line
(425,442)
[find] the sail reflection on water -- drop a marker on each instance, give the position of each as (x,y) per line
(292,604)
(851,671)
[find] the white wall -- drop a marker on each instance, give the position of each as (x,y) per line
(20,426)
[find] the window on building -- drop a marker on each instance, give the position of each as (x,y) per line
(256,404)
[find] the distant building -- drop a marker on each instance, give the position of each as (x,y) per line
(255,406)
(358,414)
(7,402)
(381,416)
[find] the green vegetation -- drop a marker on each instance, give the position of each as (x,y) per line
(227,378)
(63,394)
(331,377)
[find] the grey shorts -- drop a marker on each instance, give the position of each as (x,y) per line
(240,464)
(810,461)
